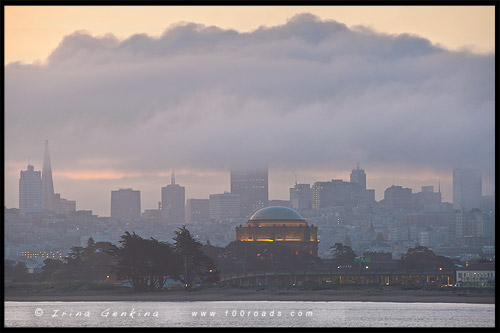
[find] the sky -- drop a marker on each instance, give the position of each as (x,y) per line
(126,95)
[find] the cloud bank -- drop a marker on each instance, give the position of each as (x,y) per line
(306,94)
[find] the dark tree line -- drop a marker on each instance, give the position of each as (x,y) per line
(419,258)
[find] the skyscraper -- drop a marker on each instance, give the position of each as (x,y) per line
(173,201)
(252,186)
(48,199)
(359,176)
(301,197)
(224,206)
(334,193)
(397,197)
(126,204)
(30,191)
(197,210)
(467,189)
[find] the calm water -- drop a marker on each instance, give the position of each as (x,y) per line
(253,314)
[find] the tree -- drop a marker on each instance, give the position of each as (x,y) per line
(20,272)
(145,263)
(343,253)
(421,258)
(50,266)
(93,262)
(195,263)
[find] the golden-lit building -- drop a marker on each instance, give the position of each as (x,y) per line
(283,225)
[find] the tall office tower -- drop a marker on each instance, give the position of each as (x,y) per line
(197,211)
(173,199)
(335,193)
(223,206)
(301,197)
(359,176)
(252,186)
(126,204)
(426,198)
(48,200)
(397,197)
(467,189)
(30,191)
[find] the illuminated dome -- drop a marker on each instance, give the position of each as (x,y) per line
(276,213)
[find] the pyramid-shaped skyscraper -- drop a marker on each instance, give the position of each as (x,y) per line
(47,184)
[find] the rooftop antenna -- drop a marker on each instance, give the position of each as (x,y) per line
(295,179)
(357,165)
(392,180)
(173,177)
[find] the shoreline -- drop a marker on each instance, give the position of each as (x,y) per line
(342,295)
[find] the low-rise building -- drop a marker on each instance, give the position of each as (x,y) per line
(476,275)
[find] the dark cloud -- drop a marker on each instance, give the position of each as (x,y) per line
(305,94)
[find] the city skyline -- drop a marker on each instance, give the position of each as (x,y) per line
(311,96)
(205,196)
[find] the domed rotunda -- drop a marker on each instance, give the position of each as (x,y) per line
(280,224)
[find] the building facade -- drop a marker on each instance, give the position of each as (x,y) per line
(252,186)
(335,193)
(467,189)
(126,204)
(173,202)
(224,206)
(476,275)
(30,191)
(397,197)
(281,225)
(197,210)
(359,176)
(301,197)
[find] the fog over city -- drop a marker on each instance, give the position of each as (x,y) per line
(310,98)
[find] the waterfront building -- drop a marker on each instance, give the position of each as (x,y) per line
(281,225)
(481,275)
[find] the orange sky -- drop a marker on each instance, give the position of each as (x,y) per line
(32,32)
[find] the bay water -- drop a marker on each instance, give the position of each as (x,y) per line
(247,314)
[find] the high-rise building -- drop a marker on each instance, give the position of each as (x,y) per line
(467,189)
(173,201)
(335,193)
(224,206)
(397,197)
(126,204)
(30,191)
(252,186)
(48,199)
(301,197)
(426,198)
(197,210)
(359,176)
